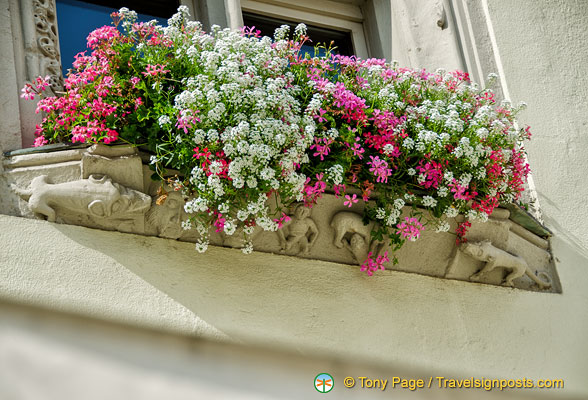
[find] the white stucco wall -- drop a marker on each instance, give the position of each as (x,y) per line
(545,59)
(393,318)
(54,356)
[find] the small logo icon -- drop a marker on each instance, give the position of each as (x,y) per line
(324,383)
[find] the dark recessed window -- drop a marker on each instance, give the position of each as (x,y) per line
(76,19)
(267,25)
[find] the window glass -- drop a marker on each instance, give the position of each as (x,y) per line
(267,25)
(76,19)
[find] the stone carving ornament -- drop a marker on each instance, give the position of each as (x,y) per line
(299,234)
(497,258)
(96,196)
(39,24)
(354,235)
(164,217)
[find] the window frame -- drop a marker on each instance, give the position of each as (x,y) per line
(346,17)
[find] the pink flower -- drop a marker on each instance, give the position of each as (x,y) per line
(461,231)
(102,35)
(220,223)
(79,134)
(379,169)
(314,192)
(42,83)
(250,32)
(410,229)
(154,70)
(320,117)
(185,120)
(40,141)
(433,173)
(323,149)
(28,92)
(461,192)
(357,149)
(339,190)
(282,220)
(112,136)
(350,200)
(370,265)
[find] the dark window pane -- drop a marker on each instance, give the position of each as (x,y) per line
(76,19)
(267,26)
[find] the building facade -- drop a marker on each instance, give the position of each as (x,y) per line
(96,312)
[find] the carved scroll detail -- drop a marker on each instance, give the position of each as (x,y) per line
(46,48)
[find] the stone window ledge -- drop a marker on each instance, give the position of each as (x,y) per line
(109,188)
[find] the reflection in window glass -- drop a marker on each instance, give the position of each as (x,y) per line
(76,19)
(267,25)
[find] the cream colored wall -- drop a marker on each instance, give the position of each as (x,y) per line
(53,356)
(393,318)
(545,60)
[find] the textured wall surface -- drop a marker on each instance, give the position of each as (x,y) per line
(545,59)
(54,356)
(9,111)
(393,318)
(423,35)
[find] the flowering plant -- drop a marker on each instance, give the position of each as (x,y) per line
(429,140)
(242,118)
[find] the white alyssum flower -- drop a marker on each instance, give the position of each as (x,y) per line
(201,245)
(186,224)
(451,212)
(443,226)
(163,121)
(429,201)
(409,197)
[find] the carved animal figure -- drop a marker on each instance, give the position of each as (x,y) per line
(345,222)
(164,219)
(497,258)
(96,196)
(357,246)
(302,231)
(360,242)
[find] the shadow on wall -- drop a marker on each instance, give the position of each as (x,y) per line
(553,224)
(53,355)
(316,306)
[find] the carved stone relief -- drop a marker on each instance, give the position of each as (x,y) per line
(164,218)
(353,235)
(79,187)
(39,24)
(97,197)
(299,233)
(497,258)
